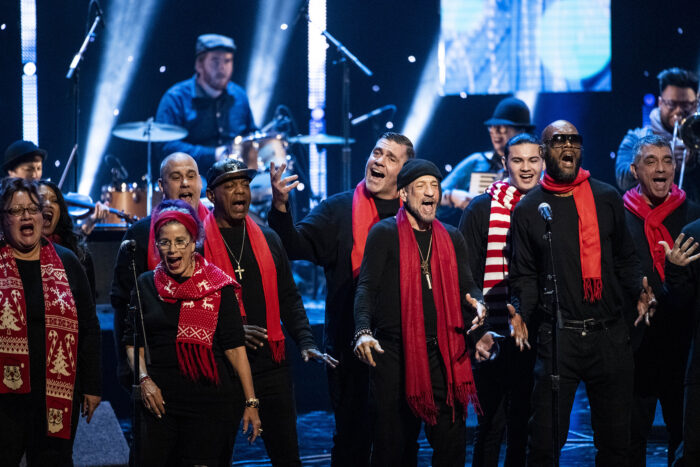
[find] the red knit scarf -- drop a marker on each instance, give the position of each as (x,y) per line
(364,216)
(446,294)
(504,198)
(61,323)
(654,229)
(588,233)
(215,251)
(153,254)
(200,297)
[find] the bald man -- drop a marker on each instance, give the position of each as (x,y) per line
(597,272)
(179,179)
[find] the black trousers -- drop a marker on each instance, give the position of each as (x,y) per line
(689,452)
(278,416)
(504,387)
(23,429)
(396,428)
(348,386)
(186,441)
(603,361)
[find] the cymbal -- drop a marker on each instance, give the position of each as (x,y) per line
(321,139)
(138,131)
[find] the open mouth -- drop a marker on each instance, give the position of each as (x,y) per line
(428,205)
(173,262)
(526,177)
(376,174)
(659,182)
(567,160)
(186,196)
(48,215)
(27,229)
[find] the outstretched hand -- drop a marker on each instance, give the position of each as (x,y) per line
(281,186)
(646,305)
(518,329)
(319,357)
(363,349)
(682,252)
(480,312)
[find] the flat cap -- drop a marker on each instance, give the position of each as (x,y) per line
(207,42)
(21,151)
(226,169)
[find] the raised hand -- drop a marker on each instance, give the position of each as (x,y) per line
(682,252)
(281,186)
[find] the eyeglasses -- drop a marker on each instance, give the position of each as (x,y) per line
(685,106)
(558,140)
(18,211)
(179,244)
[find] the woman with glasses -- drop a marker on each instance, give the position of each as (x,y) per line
(49,336)
(198,383)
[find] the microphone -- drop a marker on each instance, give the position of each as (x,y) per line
(128,245)
(373,113)
(545,211)
(116,163)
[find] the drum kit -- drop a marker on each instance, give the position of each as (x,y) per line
(257,150)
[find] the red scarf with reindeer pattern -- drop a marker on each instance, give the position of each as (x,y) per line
(200,297)
(61,324)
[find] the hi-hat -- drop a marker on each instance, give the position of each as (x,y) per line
(321,139)
(160,132)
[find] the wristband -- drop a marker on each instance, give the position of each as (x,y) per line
(144,378)
(358,334)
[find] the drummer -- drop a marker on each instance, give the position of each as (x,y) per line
(209,106)
(25,159)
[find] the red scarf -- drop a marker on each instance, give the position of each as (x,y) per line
(215,251)
(654,229)
(504,198)
(588,233)
(153,255)
(61,322)
(364,216)
(200,297)
(458,370)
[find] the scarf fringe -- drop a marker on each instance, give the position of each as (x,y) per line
(197,361)
(277,349)
(423,406)
(592,289)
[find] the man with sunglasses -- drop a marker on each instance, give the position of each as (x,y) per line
(597,274)
(678,98)
(511,117)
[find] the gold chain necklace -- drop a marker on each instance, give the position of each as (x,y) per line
(425,262)
(239,270)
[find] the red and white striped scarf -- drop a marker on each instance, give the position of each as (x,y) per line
(504,198)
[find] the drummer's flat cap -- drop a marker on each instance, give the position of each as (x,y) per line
(208,42)
(226,169)
(21,151)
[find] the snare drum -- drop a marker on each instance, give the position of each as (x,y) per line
(127,197)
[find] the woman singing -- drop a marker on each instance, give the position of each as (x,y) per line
(193,399)
(49,336)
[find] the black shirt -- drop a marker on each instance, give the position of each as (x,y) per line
(291,306)
(530,265)
(324,237)
(182,395)
(378,295)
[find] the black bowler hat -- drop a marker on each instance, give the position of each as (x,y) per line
(416,168)
(207,42)
(513,112)
(226,169)
(21,151)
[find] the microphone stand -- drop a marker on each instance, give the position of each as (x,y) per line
(139,332)
(556,322)
(346,56)
(74,74)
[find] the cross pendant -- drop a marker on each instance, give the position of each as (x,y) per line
(239,270)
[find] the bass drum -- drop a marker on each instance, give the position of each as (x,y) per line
(127,197)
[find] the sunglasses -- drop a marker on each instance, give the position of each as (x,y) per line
(685,106)
(558,140)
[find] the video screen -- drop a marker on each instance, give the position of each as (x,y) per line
(506,46)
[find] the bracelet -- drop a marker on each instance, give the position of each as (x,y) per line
(358,334)
(252,403)
(144,378)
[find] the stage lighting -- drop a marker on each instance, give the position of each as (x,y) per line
(30,99)
(317,46)
(129,24)
(425,99)
(267,52)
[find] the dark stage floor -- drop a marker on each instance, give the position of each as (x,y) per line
(315,430)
